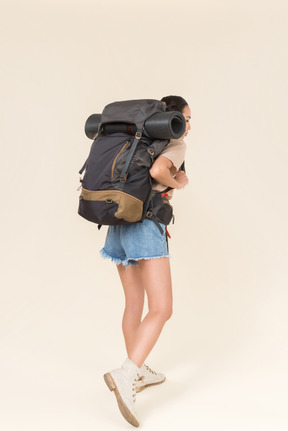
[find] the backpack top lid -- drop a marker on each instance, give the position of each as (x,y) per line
(132,111)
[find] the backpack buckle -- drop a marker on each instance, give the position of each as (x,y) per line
(151,152)
(138,135)
(149,214)
(124,178)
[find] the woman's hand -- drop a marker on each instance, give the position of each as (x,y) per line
(181,179)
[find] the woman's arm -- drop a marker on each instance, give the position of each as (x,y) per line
(161,172)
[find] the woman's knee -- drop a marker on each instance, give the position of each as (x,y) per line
(168,313)
(164,312)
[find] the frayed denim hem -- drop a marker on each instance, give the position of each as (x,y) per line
(105,255)
(135,259)
(129,261)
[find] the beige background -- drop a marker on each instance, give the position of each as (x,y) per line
(225,349)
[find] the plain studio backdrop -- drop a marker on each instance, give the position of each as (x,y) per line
(224,351)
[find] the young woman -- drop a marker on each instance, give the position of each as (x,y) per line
(141,254)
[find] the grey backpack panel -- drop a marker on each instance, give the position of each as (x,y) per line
(132,111)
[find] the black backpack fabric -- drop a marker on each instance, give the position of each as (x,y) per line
(117,186)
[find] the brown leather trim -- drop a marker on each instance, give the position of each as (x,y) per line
(129,207)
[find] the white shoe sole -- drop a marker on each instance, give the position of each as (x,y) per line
(122,406)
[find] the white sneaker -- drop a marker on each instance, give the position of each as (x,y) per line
(148,377)
(123,382)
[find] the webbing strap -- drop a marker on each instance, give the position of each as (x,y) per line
(83,168)
(150,216)
(137,138)
(137,175)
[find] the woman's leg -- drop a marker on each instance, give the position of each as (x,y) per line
(155,276)
(134,301)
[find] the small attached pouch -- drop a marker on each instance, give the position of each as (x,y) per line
(160,210)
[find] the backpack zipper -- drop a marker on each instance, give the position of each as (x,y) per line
(113,166)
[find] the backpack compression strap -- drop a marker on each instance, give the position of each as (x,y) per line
(138,136)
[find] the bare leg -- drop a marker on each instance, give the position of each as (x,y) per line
(155,276)
(134,301)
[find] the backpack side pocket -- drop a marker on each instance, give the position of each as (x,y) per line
(161,208)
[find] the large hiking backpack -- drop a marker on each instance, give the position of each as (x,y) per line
(128,137)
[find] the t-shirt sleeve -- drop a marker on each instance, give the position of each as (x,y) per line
(175,152)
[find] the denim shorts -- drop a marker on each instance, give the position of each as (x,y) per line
(126,244)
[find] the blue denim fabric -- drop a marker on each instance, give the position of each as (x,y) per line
(126,244)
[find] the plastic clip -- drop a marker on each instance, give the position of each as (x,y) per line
(81,179)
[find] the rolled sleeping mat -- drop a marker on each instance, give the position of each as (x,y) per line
(110,128)
(92,125)
(93,122)
(163,125)
(166,125)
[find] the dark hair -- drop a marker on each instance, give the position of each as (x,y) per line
(174,103)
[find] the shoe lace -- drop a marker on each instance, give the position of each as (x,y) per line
(133,386)
(149,369)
